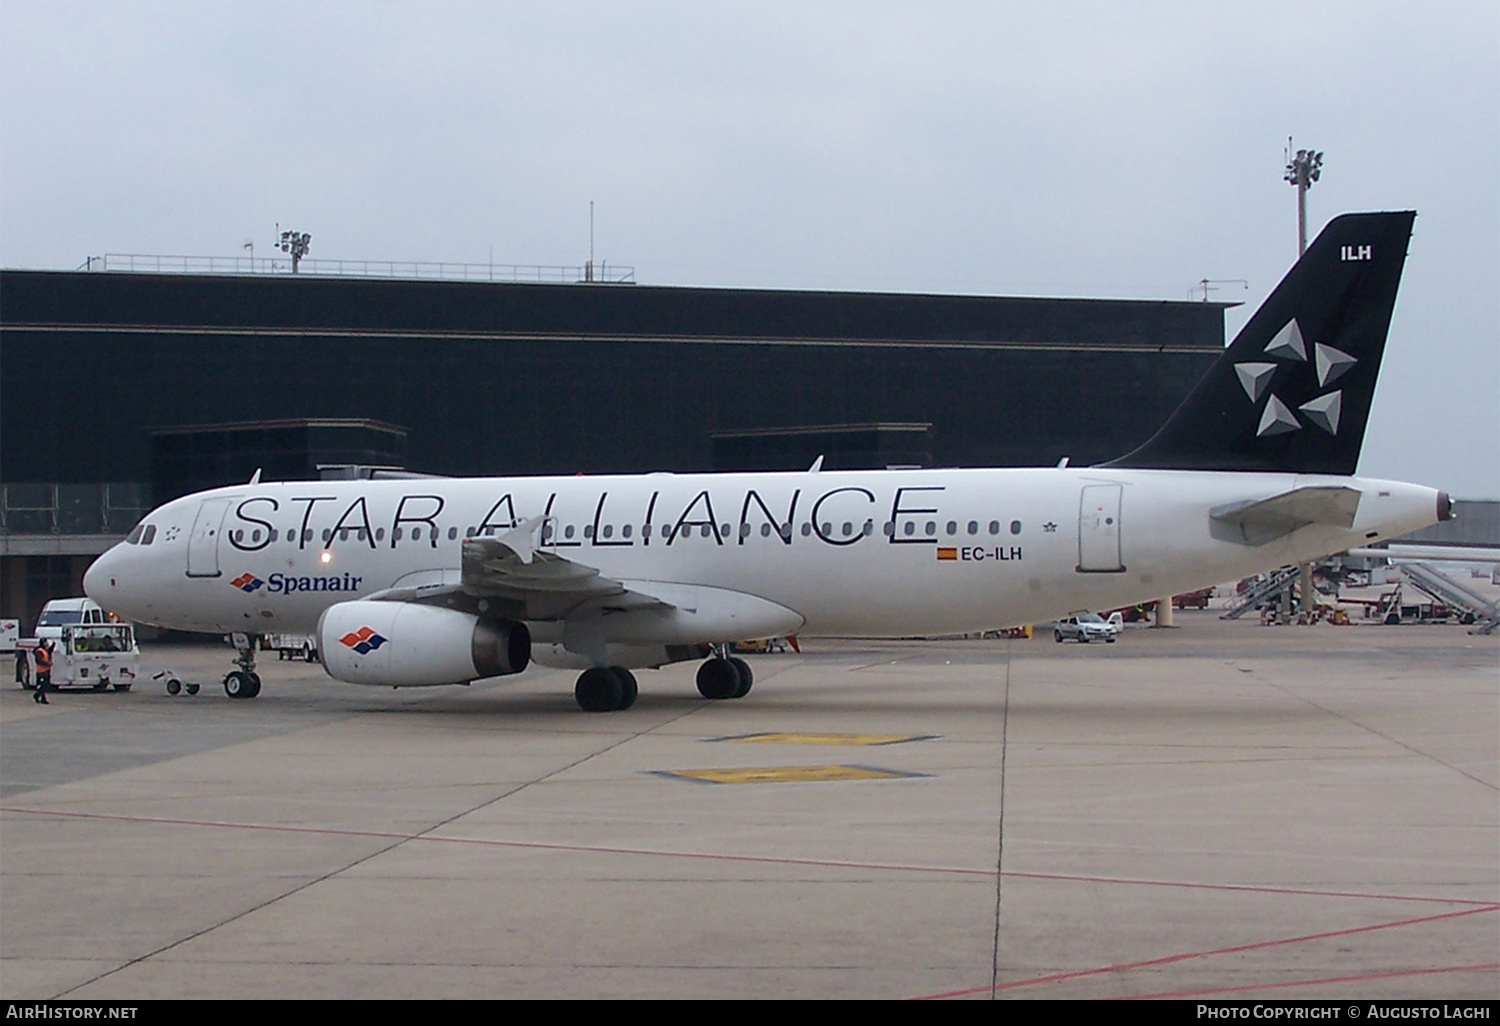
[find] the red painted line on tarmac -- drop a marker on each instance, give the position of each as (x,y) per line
(1305,892)
(1360,978)
(383,835)
(1207,953)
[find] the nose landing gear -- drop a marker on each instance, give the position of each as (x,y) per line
(244,682)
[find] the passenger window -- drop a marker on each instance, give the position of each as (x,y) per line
(625,531)
(1015,527)
(952,528)
(452,534)
(994,527)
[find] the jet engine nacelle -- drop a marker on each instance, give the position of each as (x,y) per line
(406,644)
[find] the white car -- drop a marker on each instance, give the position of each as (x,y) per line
(1085,627)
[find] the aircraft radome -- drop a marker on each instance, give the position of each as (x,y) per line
(443,581)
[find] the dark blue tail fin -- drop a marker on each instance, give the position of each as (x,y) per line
(1292,392)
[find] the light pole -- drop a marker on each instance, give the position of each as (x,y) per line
(297,244)
(1301,171)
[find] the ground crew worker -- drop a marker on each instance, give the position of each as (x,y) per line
(43,659)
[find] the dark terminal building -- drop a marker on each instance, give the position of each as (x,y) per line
(122,389)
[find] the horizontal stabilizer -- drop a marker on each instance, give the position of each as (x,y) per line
(1257,521)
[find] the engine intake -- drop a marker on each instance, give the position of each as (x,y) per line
(406,644)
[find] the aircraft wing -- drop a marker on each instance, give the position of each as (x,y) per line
(510,566)
(1257,521)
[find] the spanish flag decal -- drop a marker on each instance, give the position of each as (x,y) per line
(945,552)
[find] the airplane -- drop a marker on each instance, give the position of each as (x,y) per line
(408,583)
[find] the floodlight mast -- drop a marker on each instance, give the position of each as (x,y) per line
(1301,171)
(295,243)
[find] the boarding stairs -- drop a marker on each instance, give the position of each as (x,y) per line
(1269,590)
(1471,607)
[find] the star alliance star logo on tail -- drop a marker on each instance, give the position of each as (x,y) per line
(247,582)
(364,641)
(1328,363)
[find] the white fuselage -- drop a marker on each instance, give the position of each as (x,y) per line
(851,553)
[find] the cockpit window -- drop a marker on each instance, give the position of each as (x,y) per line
(135,536)
(150,535)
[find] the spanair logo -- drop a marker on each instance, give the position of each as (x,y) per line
(247,582)
(364,641)
(1328,363)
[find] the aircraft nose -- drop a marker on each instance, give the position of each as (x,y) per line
(101,580)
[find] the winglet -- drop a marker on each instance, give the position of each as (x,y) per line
(524,538)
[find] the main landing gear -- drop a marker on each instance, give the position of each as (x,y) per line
(244,682)
(605,689)
(613,688)
(724,676)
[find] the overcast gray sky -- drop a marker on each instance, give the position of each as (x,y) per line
(1079,149)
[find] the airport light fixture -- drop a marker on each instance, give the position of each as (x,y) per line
(1302,171)
(297,244)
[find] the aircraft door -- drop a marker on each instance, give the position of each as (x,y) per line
(1099,530)
(203,543)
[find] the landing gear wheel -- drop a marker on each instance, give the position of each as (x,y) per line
(718,679)
(243,682)
(191,688)
(174,686)
(628,688)
(744,676)
(239,684)
(599,689)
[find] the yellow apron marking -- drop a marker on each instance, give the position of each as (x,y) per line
(788,774)
(791,738)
